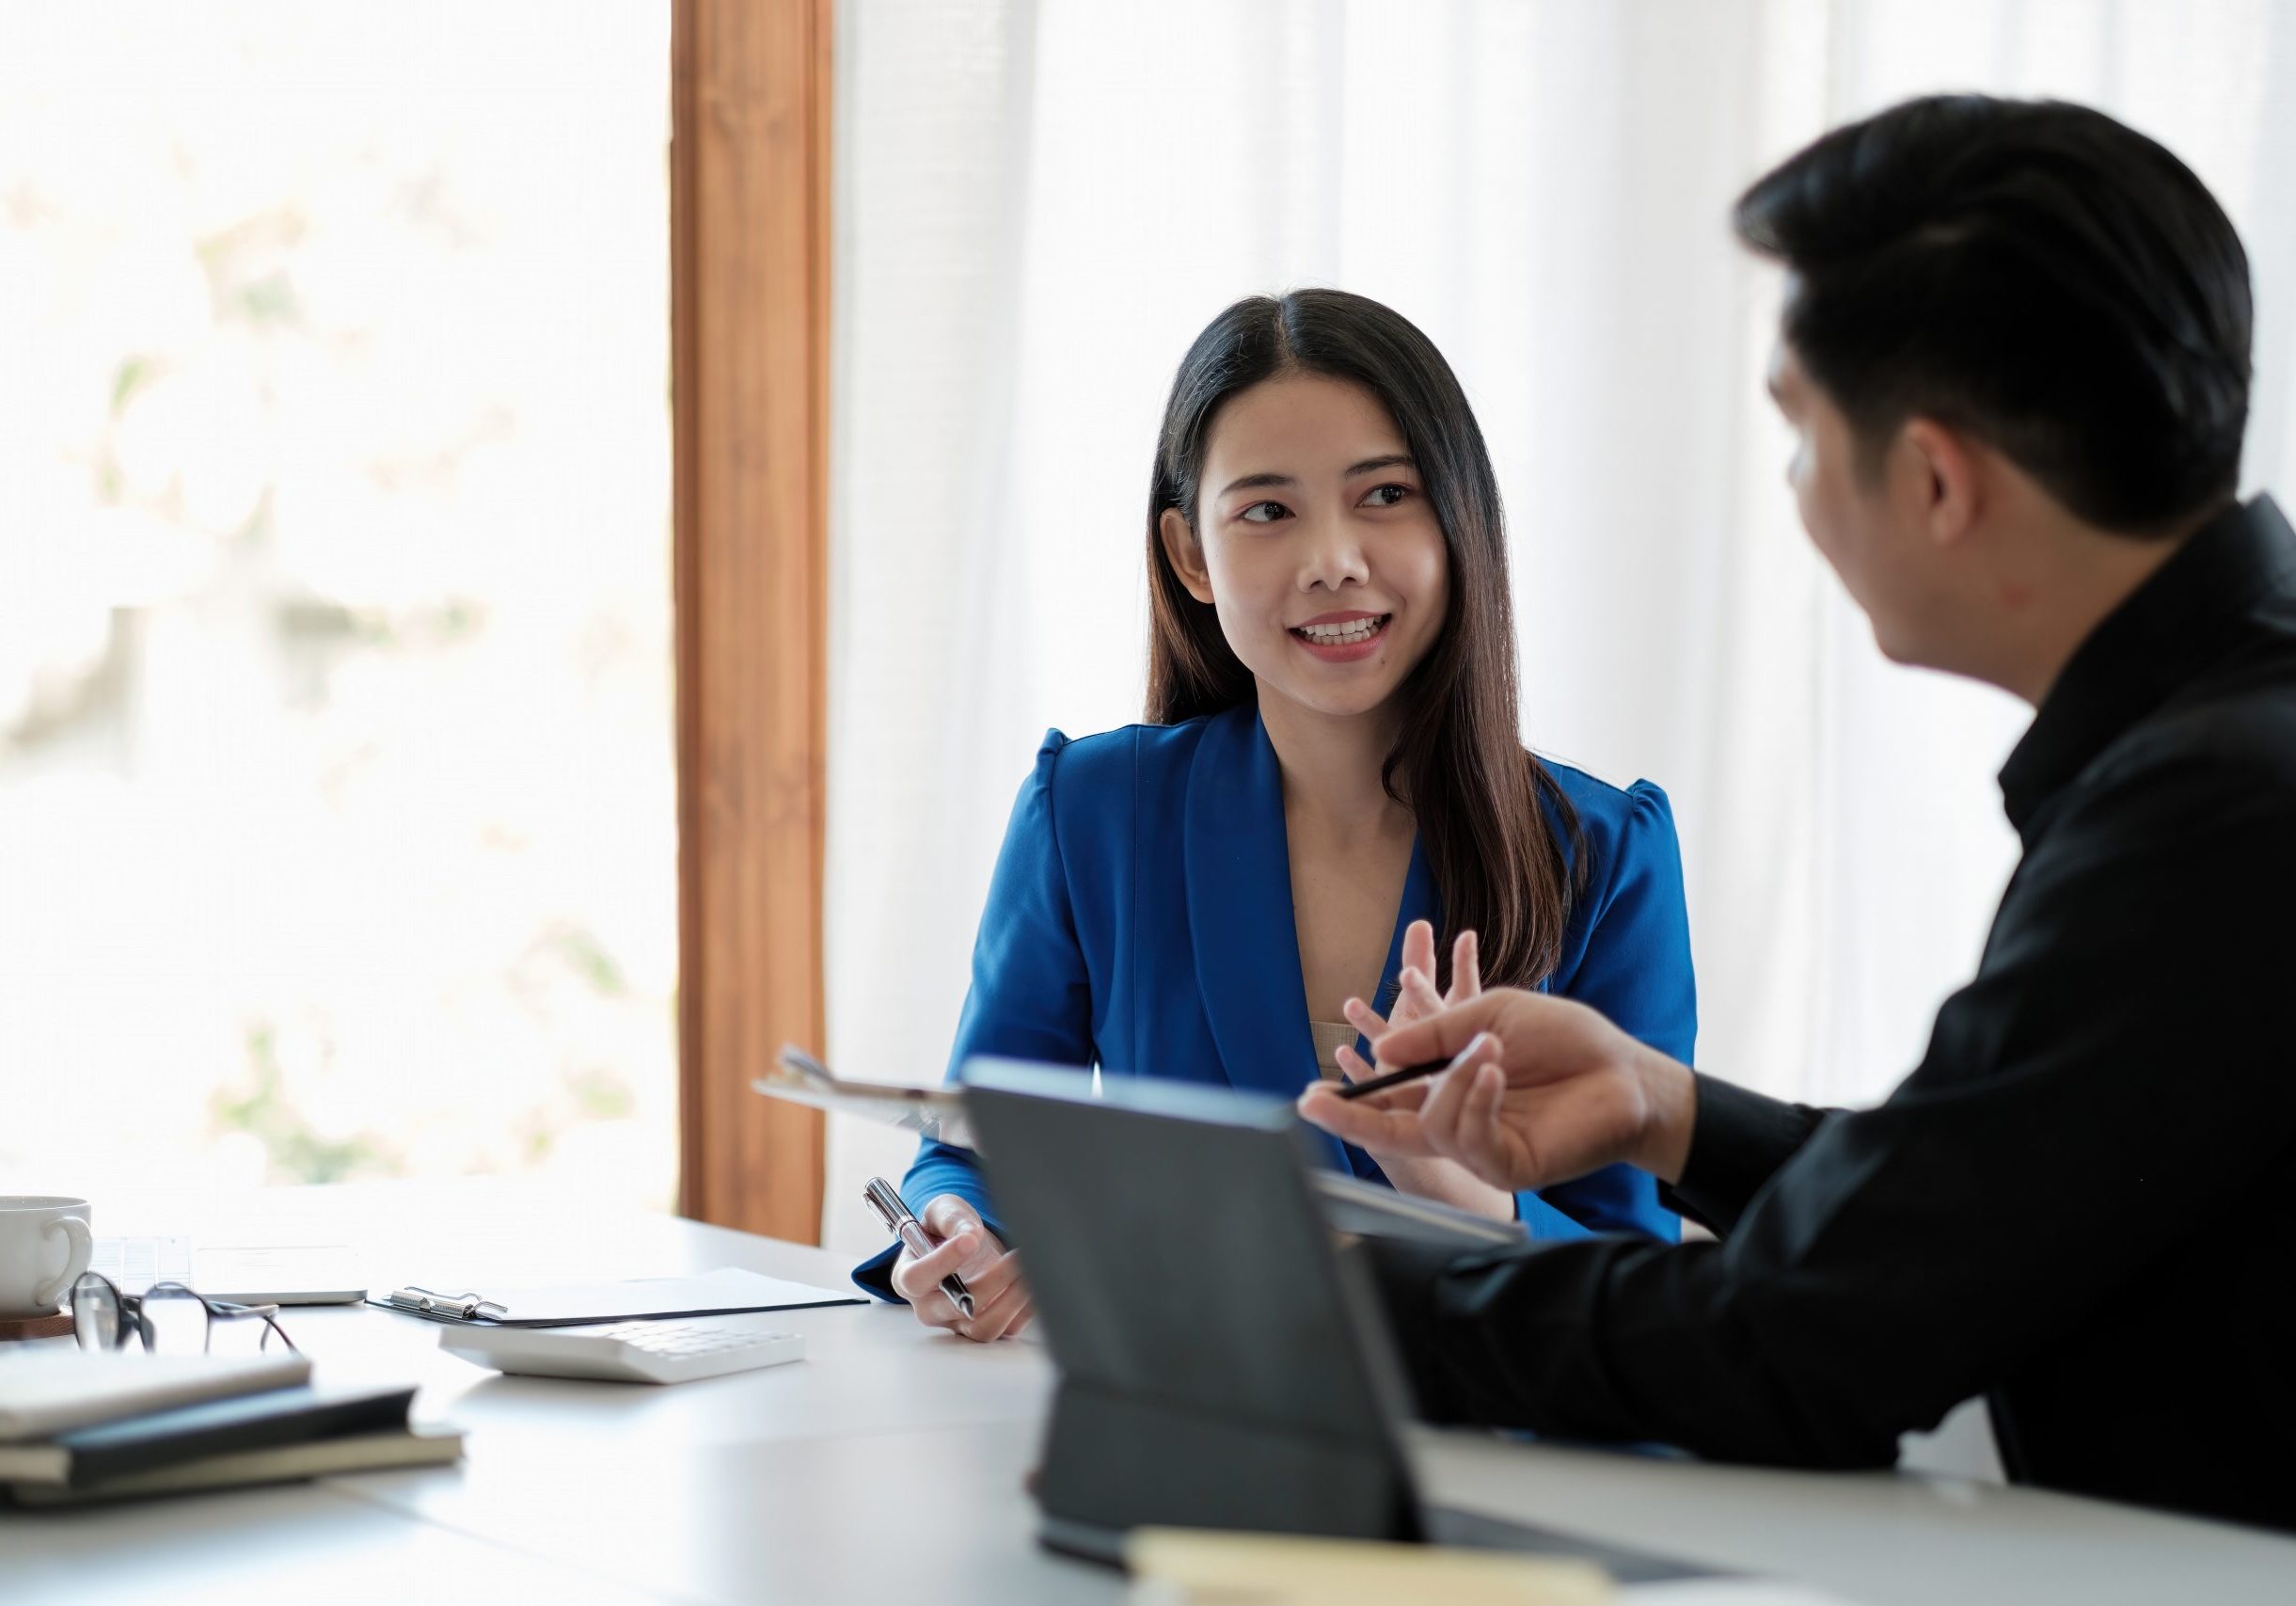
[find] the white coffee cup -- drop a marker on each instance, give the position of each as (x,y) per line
(45,1246)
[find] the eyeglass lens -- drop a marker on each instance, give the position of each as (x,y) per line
(95,1313)
(174,1320)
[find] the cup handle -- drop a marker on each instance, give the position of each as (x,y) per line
(50,1294)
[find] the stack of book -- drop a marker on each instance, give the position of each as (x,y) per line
(77,1428)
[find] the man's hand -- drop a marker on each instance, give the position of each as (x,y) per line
(1540,1090)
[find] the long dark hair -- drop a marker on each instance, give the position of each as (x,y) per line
(1500,836)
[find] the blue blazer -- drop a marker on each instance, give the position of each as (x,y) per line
(1140,918)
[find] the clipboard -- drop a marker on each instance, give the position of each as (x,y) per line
(726,1292)
(934,1113)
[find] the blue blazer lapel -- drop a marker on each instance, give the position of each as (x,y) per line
(1239,917)
(1247,953)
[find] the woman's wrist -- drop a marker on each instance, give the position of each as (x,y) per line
(1447,1182)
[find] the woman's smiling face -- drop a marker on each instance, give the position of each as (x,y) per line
(1315,542)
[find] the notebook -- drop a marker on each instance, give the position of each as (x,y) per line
(54,1390)
(726,1292)
(275,1464)
(210,1428)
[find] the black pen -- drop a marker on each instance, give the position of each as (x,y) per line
(1393,1079)
(895,1214)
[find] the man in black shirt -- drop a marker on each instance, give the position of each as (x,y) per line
(2015,353)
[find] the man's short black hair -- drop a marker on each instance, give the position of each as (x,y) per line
(2035,273)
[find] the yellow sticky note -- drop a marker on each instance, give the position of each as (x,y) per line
(1188,1566)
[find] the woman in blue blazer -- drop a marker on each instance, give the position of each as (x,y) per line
(1332,772)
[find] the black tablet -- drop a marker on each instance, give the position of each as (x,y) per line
(1221,1364)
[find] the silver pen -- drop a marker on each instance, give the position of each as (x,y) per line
(894,1213)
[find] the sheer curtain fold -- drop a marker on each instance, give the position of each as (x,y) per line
(1042,205)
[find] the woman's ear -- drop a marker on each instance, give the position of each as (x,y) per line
(1186,555)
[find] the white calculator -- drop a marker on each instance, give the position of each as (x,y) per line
(626,1352)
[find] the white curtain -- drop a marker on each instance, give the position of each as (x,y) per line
(1040,205)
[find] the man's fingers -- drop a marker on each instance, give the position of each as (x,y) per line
(1483,1138)
(1386,1132)
(1446,1094)
(1445,1113)
(1480,1142)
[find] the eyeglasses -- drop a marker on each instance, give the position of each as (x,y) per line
(170,1319)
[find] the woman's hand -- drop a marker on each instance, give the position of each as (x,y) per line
(963,1244)
(1540,1091)
(1428,1177)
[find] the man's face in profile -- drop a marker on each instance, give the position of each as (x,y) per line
(1849,511)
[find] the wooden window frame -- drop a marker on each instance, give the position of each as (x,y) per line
(749,313)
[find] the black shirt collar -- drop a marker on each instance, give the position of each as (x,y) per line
(2146,648)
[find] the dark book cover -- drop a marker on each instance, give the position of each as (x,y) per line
(396,1447)
(214,1427)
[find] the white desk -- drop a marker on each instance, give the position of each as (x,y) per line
(888,1464)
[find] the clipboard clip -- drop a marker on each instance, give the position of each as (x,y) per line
(462,1307)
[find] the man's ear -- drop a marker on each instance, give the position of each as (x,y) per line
(1946,477)
(1187,556)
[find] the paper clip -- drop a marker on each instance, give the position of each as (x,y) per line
(462,1307)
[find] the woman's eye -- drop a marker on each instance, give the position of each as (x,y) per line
(1385,496)
(1263,512)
